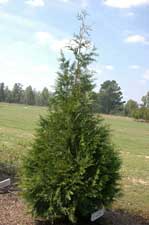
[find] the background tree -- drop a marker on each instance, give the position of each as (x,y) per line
(141,114)
(29,96)
(72,168)
(96,106)
(17,93)
(45,96)
(2,92)
(8,95)
(110,97)
(38,100)
(130,107)
(145,100)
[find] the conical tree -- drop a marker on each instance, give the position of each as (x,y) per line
(72,168)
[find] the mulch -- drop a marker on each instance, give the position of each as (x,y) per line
(14,212)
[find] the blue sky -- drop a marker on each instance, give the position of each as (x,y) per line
(32,32)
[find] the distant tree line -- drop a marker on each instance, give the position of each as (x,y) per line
(109,99)
(136,110)
(27,96)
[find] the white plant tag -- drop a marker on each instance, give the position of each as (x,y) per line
(5,183)
(96,215)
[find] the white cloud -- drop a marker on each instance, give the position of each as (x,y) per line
(21,21)
(142,82)
(43,68)
(3,1)
(83,3)
(124,4)
(47,39)
(35,3)
(39,76)
(136,39)
(135,67)
(130,14)
(98,71)
(58,44)
(43,37)
(66,1)
(109,67)
(146,75)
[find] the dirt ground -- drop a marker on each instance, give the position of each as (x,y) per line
(14,212)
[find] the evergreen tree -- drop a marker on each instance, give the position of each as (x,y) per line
(17,93)
(110,97)
(38,98)
(72,168)
(45,97)
(8,95)
(29,96)
(2,92)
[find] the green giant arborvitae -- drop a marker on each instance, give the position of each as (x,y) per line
(72,168)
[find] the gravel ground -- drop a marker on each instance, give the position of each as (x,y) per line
(13,212)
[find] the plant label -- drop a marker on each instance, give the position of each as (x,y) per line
(96,215)
(5,183)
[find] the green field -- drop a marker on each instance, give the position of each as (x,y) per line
(17,128)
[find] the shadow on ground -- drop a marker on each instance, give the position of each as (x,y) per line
(13,211)
(110,218)
(122,218)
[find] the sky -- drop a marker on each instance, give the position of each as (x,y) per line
(32,32)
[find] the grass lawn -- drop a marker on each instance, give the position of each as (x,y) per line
(17,127)
(132,140)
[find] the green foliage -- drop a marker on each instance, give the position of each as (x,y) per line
(17,93)
(28,96)
(130,107)
(45,97)
(145,100)
(141,113)
(8,95)
(2,92)
(110,98)
(16,135)
(72,168)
